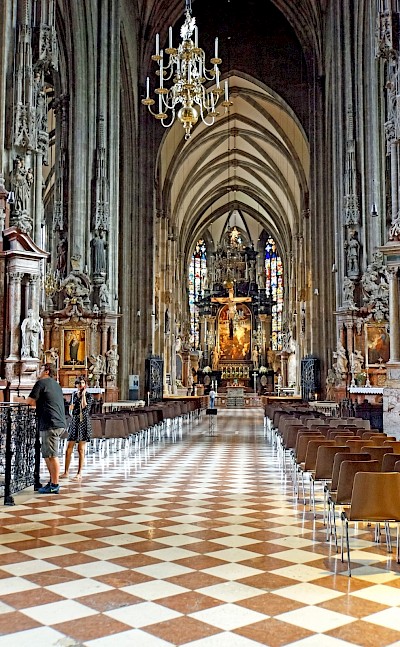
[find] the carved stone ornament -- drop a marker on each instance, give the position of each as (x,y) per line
(375,287)
(348,294)
(385,29)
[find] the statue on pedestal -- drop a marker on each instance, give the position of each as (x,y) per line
(31,329)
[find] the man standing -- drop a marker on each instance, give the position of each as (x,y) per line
(47,397)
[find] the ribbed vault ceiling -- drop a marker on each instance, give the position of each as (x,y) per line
(256,157)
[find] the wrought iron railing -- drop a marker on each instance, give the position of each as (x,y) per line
(19,450)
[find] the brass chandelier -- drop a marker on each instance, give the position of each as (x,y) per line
(187,97)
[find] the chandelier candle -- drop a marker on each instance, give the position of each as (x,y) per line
(187,98)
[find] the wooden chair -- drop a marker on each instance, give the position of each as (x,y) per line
(394,444)
(311,458)
(377,453)
(380,439)
(342,439)
(357,445)
(342,495)
(375,498)
(341,432)
(389,462)
(323,469)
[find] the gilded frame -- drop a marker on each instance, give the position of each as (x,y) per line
(377,344)
(73,348)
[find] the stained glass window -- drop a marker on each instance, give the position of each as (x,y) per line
(197,280)
(274,285)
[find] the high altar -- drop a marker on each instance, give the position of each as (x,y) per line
(236,314)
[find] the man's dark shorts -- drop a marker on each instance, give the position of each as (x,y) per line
(50,441)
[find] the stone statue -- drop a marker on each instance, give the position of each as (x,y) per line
(214,359)
(252,272)
(353,253)
(330,384)
(112,361)
(104,297)
(271,357)
(99,253)
(348,293)
(31,329)
(97,365)
(21,182)
(62,248)
(341,364)
(254,357)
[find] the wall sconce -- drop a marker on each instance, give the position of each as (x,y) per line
(316,291)
(334,268)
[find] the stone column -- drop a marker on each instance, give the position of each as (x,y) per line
(14,306)
(394,177)
(284,367)
(349,337)
(47,336)
(34,294)
(104,331)
(394,316)
(185,367)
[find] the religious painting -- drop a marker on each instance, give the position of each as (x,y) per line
(377,344)
(234,332)
(73,348)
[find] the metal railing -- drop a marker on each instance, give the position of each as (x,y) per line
(19,450)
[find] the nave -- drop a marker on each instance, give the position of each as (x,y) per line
(194,540)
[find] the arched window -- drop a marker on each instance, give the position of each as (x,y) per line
(197,280)
(274,285)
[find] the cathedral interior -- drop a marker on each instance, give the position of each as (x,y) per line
(252,238)
(198,197)
(250,230)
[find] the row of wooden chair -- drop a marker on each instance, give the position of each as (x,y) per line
(132,428)
(359,471)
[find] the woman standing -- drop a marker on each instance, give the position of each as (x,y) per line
(80,428)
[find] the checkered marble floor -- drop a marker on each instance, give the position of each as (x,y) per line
(195,541)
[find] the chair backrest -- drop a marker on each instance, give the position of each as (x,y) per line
(356,445)
(378,439)
(313,422)
(348,470)
(394,444)
(371,432)
(325,458)
(303,438)
(342,440)
(388,462)
(344,456)
(376,497)
(289,437)
(377,453)
(312,449)
(341,432)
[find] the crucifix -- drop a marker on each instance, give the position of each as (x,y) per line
(231,302)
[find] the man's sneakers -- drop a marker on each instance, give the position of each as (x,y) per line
(50,488)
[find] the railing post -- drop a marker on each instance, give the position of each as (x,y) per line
(8,499)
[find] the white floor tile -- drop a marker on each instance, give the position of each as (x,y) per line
(143,614)
(228,616)
(57,612)
(315,619)
(154,590)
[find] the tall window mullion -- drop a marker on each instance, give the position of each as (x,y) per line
(274,285)
(197,273)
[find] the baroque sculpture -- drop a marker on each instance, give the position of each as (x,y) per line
(31,329)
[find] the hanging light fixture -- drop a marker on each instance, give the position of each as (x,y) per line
(187,98)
